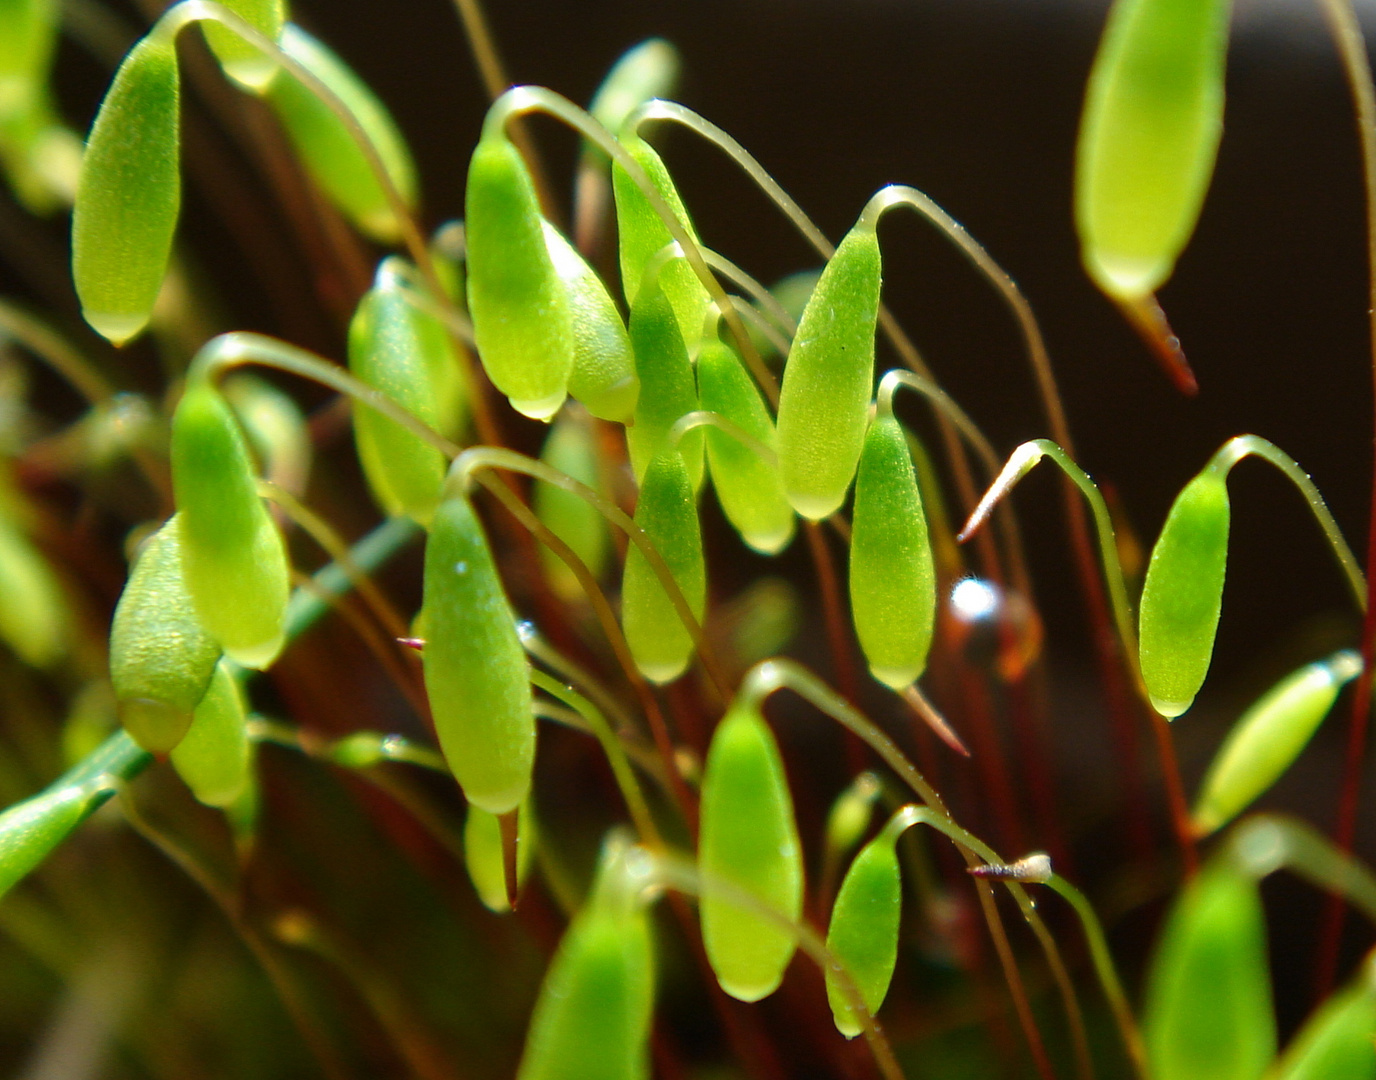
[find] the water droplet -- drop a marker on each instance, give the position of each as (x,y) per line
(461,567)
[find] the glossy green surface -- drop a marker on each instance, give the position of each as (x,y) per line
(571,448)
(408,355)
(129,194)
(31,829)
(892,576)
(1208,1012)
(751,494)
(234,562)
(1339,1041)
(327,149)
(161,658)
(668,389)
(476,673)
(825,397)
(1152,120)
(241,61)
(603,378)
(667,510)
(1183,594)
(749,839)
(863,933)
(213,757)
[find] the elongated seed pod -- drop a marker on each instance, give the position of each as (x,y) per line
(751,494)
(749,839)
(241,61)
(1152,120)
(213,757)
(327,149)
(1182,596)
(26,49)
(863,932)
(161,658)
(603,378)
(407,354)
(824,400)
(275,428)
(1208,1013)
(484,858)
(667,387)
(33,612)
(592,1019)
(667,510)
(31,829)
(129,194)
(1268,737)
(1336,1042)
(892,576)
(475,669)
(642,234)
(570,447)
(233,560)
(520,308)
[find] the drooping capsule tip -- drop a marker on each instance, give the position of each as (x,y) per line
(540,408)
(116,329)
(1169,709)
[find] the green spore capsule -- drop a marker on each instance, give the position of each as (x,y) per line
(1152,120)
(242,62)
(749,489)
(1336,1042)
(824,400)
(327,149)
(1269,737)
(129,194)
(233,560)
(667,387)
(476,673)
(31,829)
(863,933)
(571,448)
(275,427)
(33,612)
(522,322)
(26,49)
(161,658)
(667,510)
(642,234)
(213,757)
(892,576)
(592,1019)
(603,378)
(407,354)
(482,854)
(749,839)
(1208,1013)
(1182,597)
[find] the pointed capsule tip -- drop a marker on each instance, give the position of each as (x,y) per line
(118,330)
(1149,320)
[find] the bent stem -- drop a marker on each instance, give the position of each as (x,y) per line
(944,404)
(1265,843)
(706,418)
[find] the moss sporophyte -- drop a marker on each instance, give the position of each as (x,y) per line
(440,801)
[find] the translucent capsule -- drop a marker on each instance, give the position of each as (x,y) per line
(129,194)
(234,562)
(242,62)
(1208,1012)
(161,658)
(668,390)
(863,932)
(326,147)
(520,307)
(748,839)
(1152,120)
(407,354)
(603,378)
(1182,597)
(667,510)
(748,487)
(892,577)
(476,673)
(825,396)
(214,755)
(483,856)
(571,448)
(1269,737)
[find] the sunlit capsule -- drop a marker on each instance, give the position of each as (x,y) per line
(520,308)
(328,150)
(1208,1012)
(1182,597)
(667,510)
(863,932)
(483,855)
(571,448)
(825,396)
(129,194)
(668,390)
(242,62)
(214,755)
(161,658)
(749,840)
(407,354)
(26,49)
